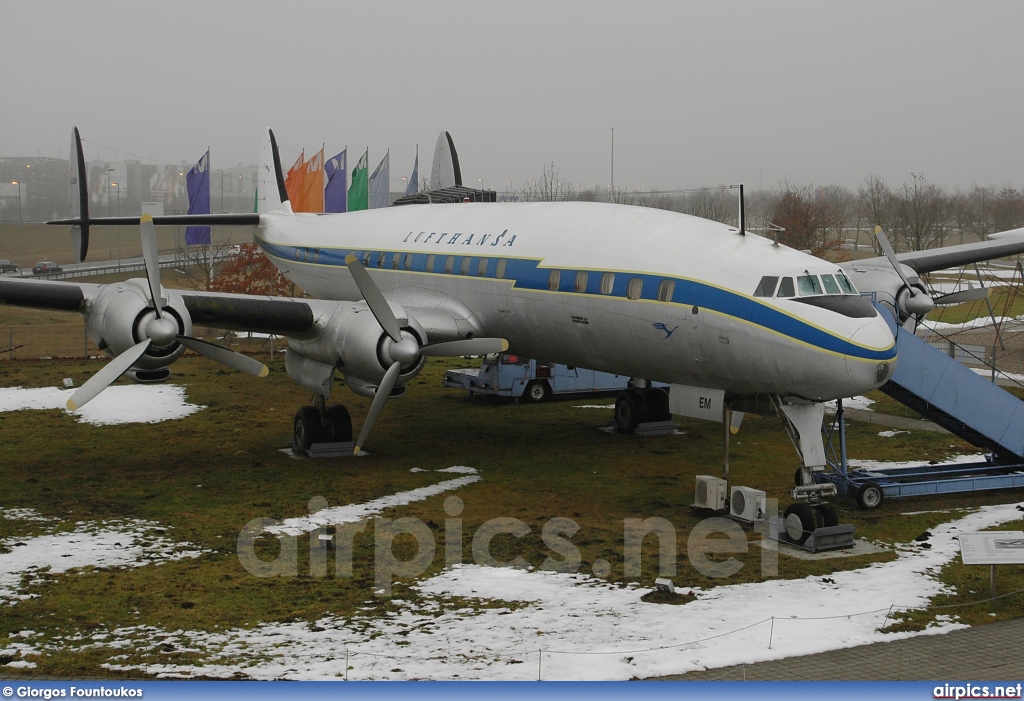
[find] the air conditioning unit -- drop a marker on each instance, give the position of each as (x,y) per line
(747,504)
(710,493)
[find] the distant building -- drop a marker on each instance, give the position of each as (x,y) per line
(41,184)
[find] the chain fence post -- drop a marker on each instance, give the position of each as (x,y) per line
(771,633)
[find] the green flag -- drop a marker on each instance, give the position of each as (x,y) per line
(358,192)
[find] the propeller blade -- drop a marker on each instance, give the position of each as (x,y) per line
(105,377)
(374,299)
(470,346)
(972,294)
(230,358)
(883,241)
(152,261)
(379,399)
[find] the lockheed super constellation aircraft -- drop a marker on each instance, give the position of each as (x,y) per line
(728,318)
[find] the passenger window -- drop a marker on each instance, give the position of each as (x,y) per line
(430,263)
(786,288)
(499,270)
(845,283)
(408,261)
(635,288)
(766,288)
(380,259)
(665,290)
(809,285)
(581,281)
(298,254)
(316,255)
(554,279)
(396,261)
(449,264)
(366,259)
(831,288)
(607,283)
(481,268)
(466,262)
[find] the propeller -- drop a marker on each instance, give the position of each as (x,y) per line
(405,349)
(160,331)
(917,303)
(971,294)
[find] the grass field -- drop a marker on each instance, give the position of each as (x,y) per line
(204,477)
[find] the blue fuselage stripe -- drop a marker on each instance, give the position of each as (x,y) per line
(529,275)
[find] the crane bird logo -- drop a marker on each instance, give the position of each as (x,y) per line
(662,327)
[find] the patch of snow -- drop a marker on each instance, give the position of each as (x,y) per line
(851,403)
(594,406)
(890,434)
(106,544)
(899,465)
(460,470)
(119,404)
(574,626)
(357,512)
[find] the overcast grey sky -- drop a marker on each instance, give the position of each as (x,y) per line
(699,93)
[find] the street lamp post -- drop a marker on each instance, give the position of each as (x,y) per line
(21,261)
(118,189)
(110,244)
(221,171)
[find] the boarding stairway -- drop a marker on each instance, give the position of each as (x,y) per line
(959,400)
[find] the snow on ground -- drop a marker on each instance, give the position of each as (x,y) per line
(978,323)
(594,406)
(891,434)
(351,513)
(115,405)
(120,543)
(572,626)
(987,373)
(851,403)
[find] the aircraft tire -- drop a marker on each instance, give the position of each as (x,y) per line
(870,496)
(828,514)
(657,405)
(338,424)
(537,391)
(630,410)
(800,522)
(308,429)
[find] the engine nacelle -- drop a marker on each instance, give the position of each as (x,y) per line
(118,315)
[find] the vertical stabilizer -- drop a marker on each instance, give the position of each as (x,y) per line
(79,198)
(446,171)
(271,194)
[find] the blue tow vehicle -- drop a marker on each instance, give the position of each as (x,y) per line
(506,375)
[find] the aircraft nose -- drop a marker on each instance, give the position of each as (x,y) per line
(872,360)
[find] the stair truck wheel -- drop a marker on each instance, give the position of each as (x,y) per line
(537,391)
(870,496)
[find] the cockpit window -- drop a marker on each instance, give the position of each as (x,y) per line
(845,283)
(786,288)
(809,285)
(831,288)
(766,288)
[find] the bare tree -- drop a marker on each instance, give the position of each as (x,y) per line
(920,214)
(551,187)
(875,201)
(1008,209)
(807,220)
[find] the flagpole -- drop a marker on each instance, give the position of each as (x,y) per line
(208,171)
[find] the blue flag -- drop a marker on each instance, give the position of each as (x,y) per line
(336,192)
(414,180)
(198,184)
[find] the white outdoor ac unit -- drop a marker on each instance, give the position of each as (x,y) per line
(710,493)
(747,504)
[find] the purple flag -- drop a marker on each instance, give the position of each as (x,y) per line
(198,184)
(336,192)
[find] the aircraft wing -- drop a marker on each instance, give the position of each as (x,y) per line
(1006,243)
(232,312)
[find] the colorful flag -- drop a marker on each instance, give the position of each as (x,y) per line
(311,191)
(197,182)
(337,179)
(357,193)
(379,182)
(293,180)
(414,180)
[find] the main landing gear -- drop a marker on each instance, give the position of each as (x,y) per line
(635,406)
(320,423)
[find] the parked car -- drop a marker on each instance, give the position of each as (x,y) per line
(46,267)
(7,266)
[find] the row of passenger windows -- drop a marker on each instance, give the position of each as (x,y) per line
(804,286)
(446,264)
